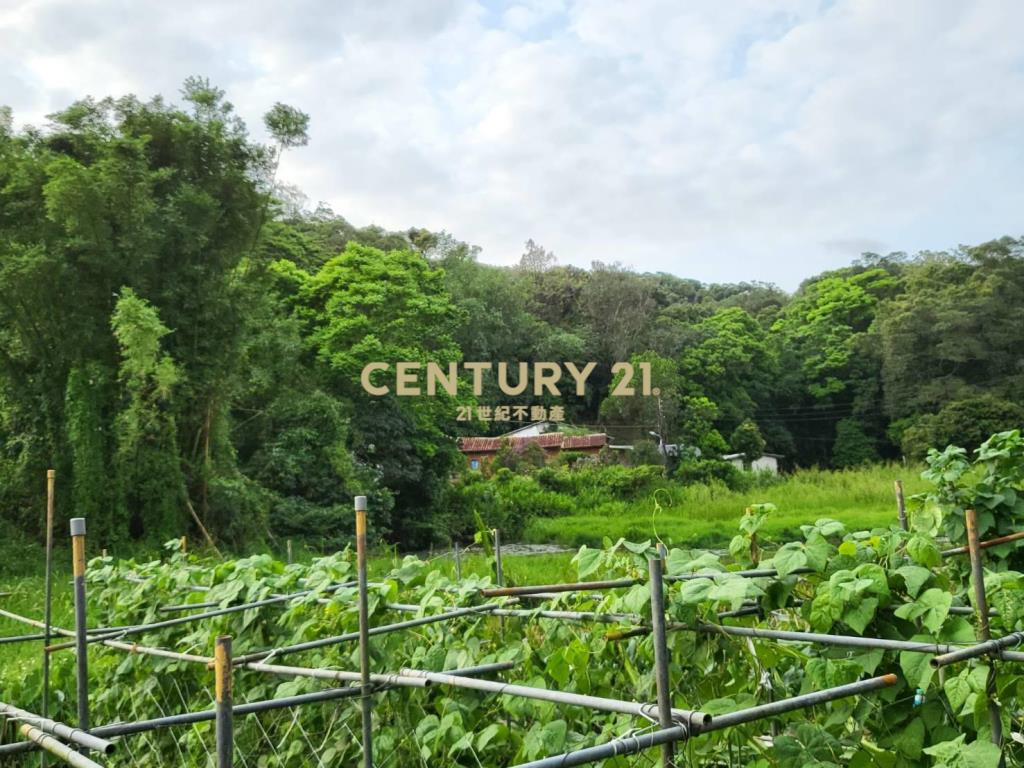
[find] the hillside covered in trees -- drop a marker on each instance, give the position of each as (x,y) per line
(182,341)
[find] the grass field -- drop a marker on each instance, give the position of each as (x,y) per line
(707,516)
(694,515)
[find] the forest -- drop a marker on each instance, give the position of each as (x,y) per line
(182,338)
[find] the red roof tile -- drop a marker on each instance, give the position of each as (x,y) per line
(550,441)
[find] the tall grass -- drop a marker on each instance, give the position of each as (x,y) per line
(707,514)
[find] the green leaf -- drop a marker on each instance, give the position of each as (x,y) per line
(917,668)
(789,557)
(860,615)
(980,753)
(848,548)
(495,732)
(915,577)
(937,602)
(818,551)
(683,561)
(923,551)
(910,740)
(733,591)
(826,608)
(637,548)
(957,690)
(558,668)
(879,580)
(588,561)
(695,591)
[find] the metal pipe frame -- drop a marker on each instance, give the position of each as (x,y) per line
(250,708)
(382,629)
(58,749)
(98,636)
(817,638)
(693,718)
(57,729)
(631,745)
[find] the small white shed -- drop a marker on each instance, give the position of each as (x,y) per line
(766,462)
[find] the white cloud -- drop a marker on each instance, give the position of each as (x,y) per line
(723,141)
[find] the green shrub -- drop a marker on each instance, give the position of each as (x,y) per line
(966,423)
(708,471)
(645,452)
(852,447)
(506,501)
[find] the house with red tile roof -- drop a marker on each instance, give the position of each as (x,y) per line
(479,450)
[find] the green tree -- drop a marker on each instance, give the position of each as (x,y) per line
(852,446)
(747,439)
(731,362)
(966,423)
(150,481)
(367,305)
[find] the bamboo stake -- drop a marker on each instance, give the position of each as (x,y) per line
(984,633)
(223,698)
(901,505)
(985,544)
(661,659)
(499,578)
(364,638)
(82,655)
(51,479)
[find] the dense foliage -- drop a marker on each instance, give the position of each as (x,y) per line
(182,340)
(884,582)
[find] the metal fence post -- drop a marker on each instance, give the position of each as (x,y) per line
(901,505)
(981,610)
(661,657)
(81,643)
(458,563)
(288,550)
(364,637)
(223,696)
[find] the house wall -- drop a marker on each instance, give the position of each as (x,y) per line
(763,464)
(766,464)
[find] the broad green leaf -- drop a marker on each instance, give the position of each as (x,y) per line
(858,616)
(923,551)
(917,668)
(818,550)
(937,602)
(695,591)
(588,561)
(915,577)
(789,557)
(848,548)
(826,609)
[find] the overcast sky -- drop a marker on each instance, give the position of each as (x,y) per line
(717,140)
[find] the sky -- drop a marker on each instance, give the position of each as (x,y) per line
(723,141)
